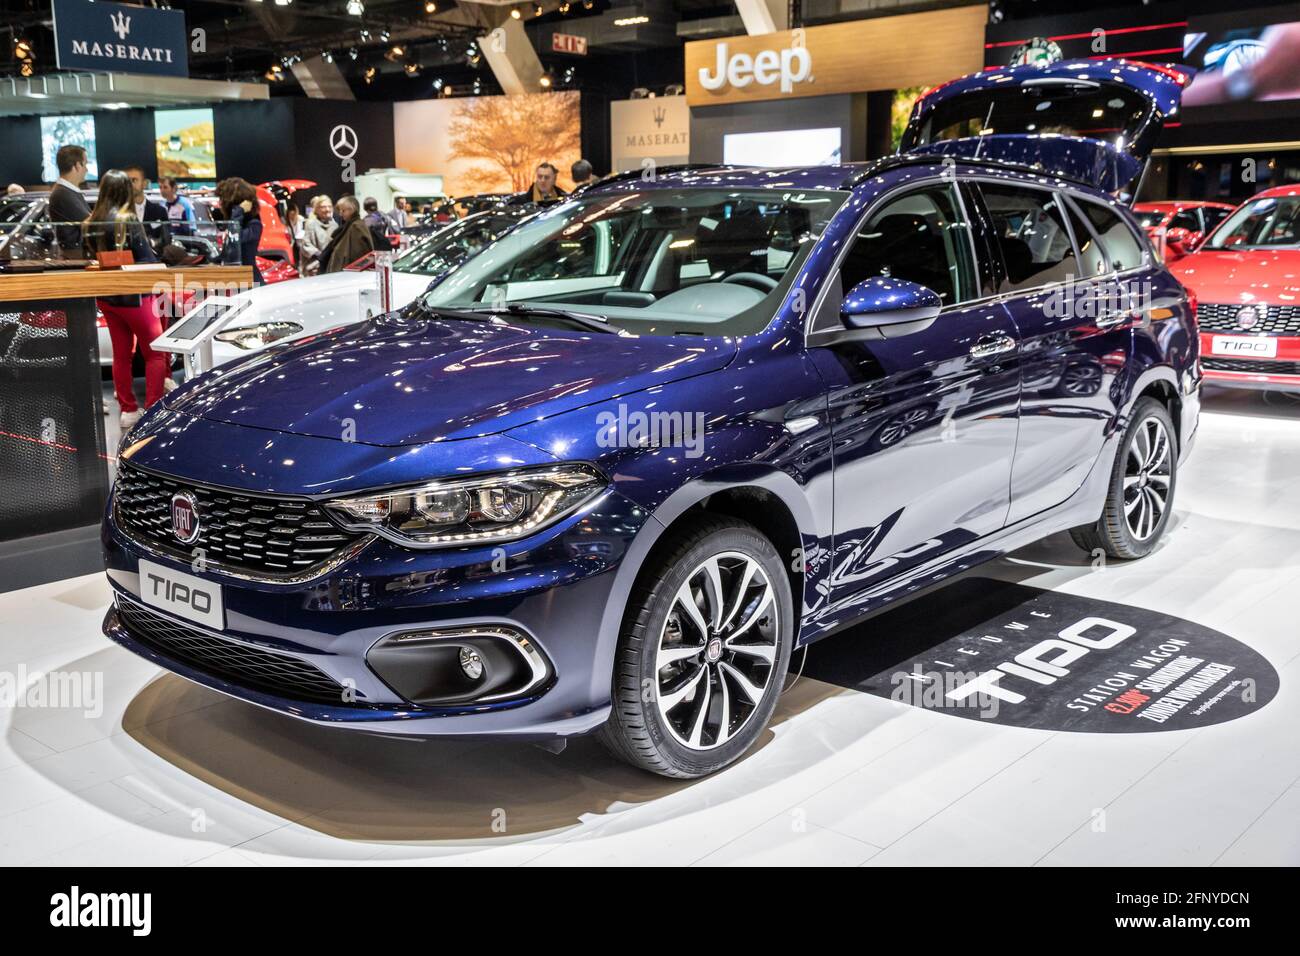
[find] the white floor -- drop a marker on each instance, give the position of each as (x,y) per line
(170,773)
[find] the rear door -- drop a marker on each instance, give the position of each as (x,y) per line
(1093,121)
(1063,291)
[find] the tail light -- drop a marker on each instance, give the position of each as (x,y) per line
(1192,305)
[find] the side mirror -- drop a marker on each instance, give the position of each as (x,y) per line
(1180,241)
(882,301)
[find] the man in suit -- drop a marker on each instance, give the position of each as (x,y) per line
(67,204)
(543,191)
(157,224)
(401,211)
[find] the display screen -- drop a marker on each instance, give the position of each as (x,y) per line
(185,144)
(791,147)
(203,317)
(59,131)
(1241,64)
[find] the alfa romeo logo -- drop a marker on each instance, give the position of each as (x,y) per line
(185,517)
(343,141)
(1247,318)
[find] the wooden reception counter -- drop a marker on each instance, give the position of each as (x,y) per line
(90,283)
(54,459)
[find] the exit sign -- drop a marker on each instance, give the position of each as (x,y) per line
(568,43)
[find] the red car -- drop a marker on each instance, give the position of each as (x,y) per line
(1184,225)
(1246,278)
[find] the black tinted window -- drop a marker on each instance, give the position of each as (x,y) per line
(1030,228)
(919,237)
(1122,247)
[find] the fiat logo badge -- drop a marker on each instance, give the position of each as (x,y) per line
(1247,318)
(185,517)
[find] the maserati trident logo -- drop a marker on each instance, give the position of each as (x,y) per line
(185,517)
(121,24)
(660,114)
(1247,318)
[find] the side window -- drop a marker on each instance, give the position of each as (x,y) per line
(1122,247)
(919,237)
(1030,228)
(1213,216)
(1092,260)
(1185,220)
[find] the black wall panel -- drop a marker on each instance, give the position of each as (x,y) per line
(20,150)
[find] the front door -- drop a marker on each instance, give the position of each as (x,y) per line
(923,423)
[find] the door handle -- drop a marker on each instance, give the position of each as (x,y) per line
(991,345)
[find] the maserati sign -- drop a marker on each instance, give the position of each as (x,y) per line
(116,38)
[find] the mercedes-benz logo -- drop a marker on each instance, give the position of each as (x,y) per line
(185,517)
(1247,318)
(343,141)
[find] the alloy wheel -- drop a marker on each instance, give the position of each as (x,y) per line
(1147,472)
(717,650)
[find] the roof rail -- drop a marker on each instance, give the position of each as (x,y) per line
(898,160)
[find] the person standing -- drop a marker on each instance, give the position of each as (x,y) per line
(543,190)
(293,222)
(67,204)
(582,174)
(180,211)
(239,207)
(399,217)
(153,214)
(352,241)
(131,319)
(316,234)
(377,223)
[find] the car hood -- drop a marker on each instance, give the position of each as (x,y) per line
(1271,277)
(411,381)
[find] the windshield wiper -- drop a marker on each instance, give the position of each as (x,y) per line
(585,320)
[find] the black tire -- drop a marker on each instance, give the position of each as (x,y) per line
(1113,533)
(637,731)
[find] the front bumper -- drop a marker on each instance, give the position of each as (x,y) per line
(1280,373)
(554,588)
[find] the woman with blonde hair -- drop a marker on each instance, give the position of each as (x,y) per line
(132,320)
(317,233)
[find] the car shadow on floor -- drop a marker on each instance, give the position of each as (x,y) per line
(356,786)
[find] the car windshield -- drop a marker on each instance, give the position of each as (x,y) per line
(685,261)
(450,246)
(1149,220)
(1273,221)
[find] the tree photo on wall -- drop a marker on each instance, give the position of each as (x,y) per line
(507,136)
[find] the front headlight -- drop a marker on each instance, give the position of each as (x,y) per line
(464,511)
(257,336)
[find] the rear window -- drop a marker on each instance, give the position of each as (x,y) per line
(1030,228)
(1121,246)
(1262,223)
(1038,107)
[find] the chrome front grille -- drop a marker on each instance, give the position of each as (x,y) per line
(1273,319)
(256,535)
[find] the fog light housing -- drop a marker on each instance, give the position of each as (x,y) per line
(442,667)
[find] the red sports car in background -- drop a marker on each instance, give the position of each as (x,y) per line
(1246,278)
(1183,224)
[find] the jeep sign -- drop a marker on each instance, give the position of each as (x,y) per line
(790,66)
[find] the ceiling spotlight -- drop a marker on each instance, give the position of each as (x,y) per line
(22,48)
(514,13)
(537,9)
(640,93)
(365,36)
(397,51)
(478,86)
(383,36)
(327,56)
(356,7)
(546,81)
(587,4)
(352,52)
(564,7)
(412,69)
(283,3)
(446,91)
(437,82)
(26,68)
(370,73)
(674,89)
(430,7)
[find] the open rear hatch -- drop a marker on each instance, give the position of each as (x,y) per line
(1093,121)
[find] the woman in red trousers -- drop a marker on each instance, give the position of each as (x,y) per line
(132,319)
